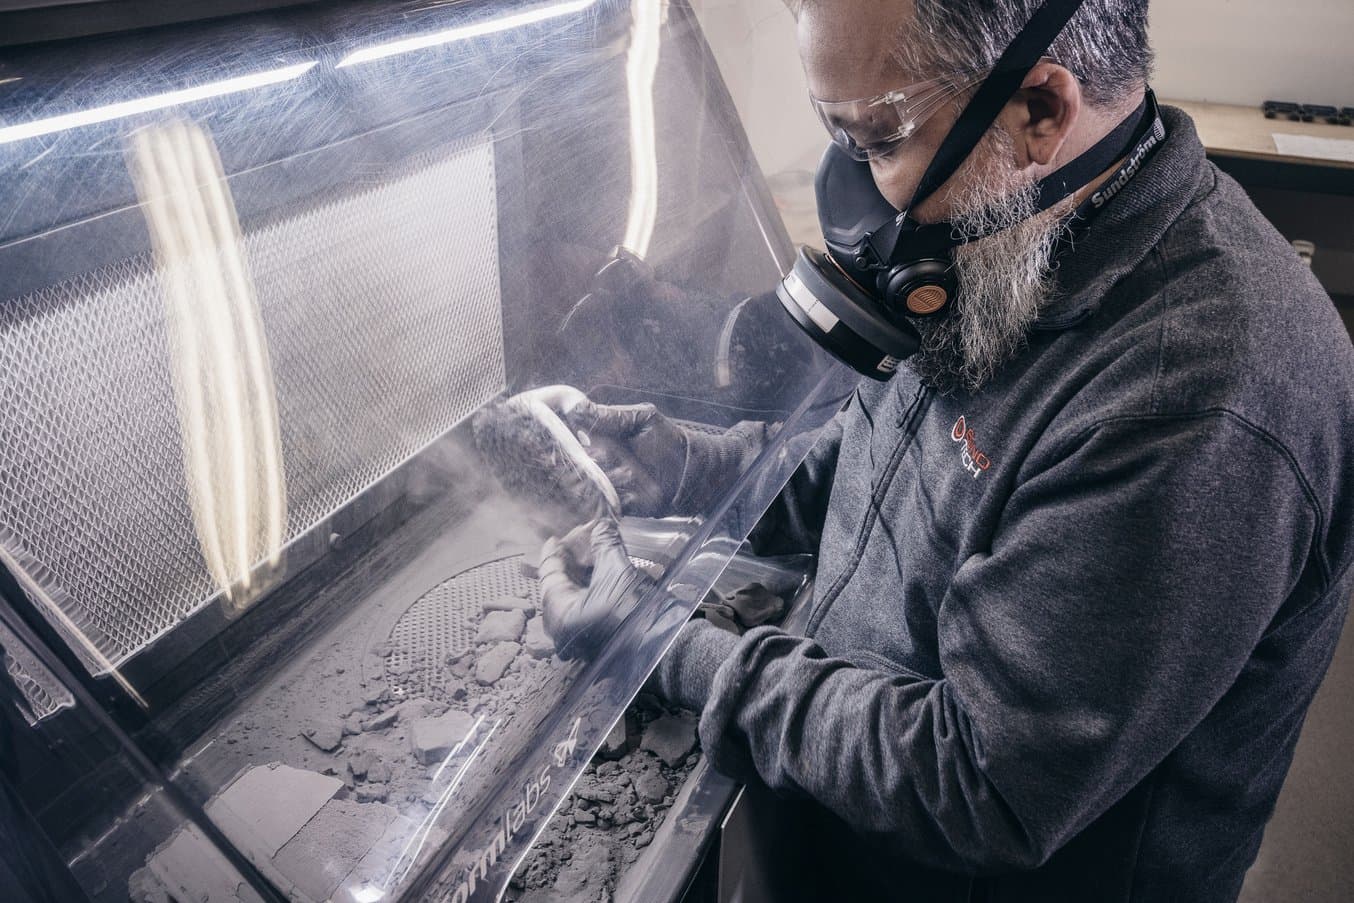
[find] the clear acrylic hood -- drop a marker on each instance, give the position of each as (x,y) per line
(260,273)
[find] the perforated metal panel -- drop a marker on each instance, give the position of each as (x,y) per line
(443,623)
(381,311)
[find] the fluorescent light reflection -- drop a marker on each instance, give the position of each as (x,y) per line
(223,381)
(126,108)
(640,69)
(462,32)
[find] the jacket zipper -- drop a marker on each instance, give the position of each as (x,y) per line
(909,424)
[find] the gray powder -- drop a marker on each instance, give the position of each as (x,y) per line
(610,817)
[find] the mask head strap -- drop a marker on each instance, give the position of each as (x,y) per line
(1015,63)
(884,243)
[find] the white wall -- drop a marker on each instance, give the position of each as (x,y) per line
(1228,51)
(1249,51)
(754,42)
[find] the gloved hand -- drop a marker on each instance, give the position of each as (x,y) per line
(588,586)
(745,608)
(642,452)
(537,455)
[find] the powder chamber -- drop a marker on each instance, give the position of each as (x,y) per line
(271,626)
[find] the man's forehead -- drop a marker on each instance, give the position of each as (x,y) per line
(849,46)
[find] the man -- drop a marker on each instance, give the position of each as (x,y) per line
(1083,561)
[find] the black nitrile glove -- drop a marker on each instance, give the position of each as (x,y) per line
(642,452)
(588,586)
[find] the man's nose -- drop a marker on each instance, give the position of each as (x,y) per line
(895,180)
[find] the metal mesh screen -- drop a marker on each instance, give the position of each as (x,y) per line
(42,693)
(382,316)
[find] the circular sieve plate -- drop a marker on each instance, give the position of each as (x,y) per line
(442,623)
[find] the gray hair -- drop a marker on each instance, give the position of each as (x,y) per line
(1105,45)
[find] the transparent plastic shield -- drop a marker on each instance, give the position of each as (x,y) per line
(299,310)
(873,127)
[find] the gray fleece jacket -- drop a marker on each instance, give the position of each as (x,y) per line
(1066,628)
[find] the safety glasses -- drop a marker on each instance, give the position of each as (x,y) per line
(874,127)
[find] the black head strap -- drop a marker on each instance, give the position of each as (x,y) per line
(1056,186)
(1020,57)
(936,239)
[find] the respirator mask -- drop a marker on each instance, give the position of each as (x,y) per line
(881,269)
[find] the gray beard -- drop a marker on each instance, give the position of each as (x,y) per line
(1005,279)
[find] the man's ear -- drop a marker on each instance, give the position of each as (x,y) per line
(1042,114)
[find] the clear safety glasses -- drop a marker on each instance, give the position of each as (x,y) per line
(875,126)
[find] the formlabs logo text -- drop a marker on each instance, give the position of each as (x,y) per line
(975,462)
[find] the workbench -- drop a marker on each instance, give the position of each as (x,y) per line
(1304,196)
(1242,142)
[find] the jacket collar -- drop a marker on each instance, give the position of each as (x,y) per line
(1128,227)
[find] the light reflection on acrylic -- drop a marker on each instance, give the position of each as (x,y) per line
(223,381)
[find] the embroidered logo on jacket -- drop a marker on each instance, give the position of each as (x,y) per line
(975,462)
